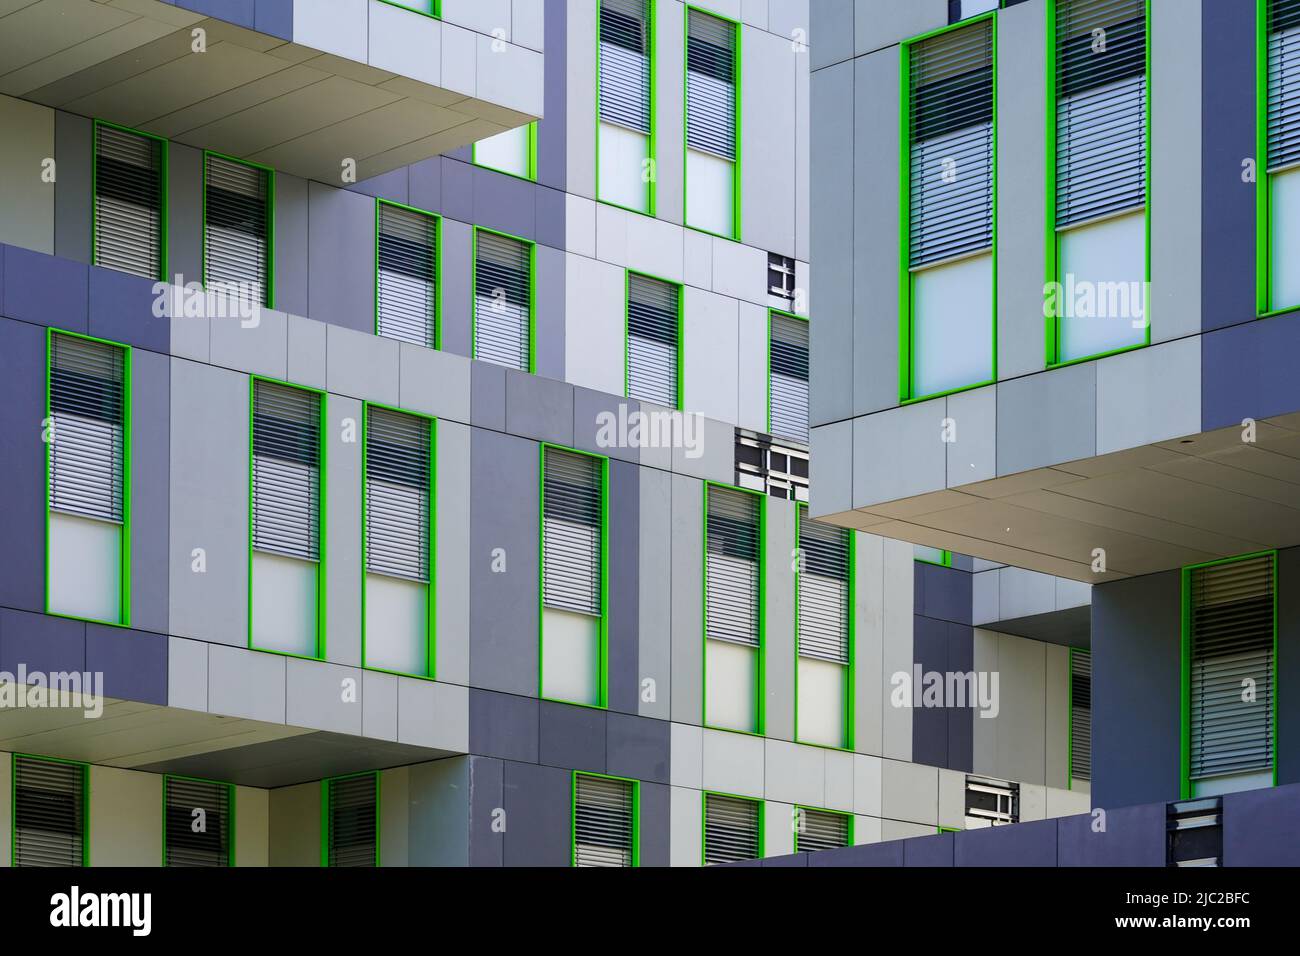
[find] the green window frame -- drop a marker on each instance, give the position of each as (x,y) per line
(532,293)
(627,332)
(760,809)
(268,297)
(634,850)
(1265,306)
(437,225)
(162,187)
(945,557)
(13,802)
(736,180)
(530,165)
(327,849)
(651,138)
(850,667)
(800,825)
(781,313)
(229,823)
(434,7)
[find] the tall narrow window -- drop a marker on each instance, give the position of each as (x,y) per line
(503,300)
(1231,639)
(625,145)
(824,642)
(286,532)
(398,454)
(352,820)
(49,812)
(653,330)
(1281,185)
(573,569)
(821,830)
(237,210)
(513,151)
(948,290)
(406,292)
(129,201)
(733,829)
(1080,717)
(732,615)
(712,119)
(604,821)
(1100,139)
(198,823)
(88,455)
(787,360)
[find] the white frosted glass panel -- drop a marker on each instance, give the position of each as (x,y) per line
(952,325)
(925,553)
(622,161)
(397,624)
(1233,783)
(570,656)
(1284,223)
(284,604)
(85,568)
(506,151)
(821,702)
(708,192)
(1102,293)
(730,697)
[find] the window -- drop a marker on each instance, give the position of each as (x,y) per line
(712,119)
(964,9)
(991,803)
(88,474)
(1194,832)
(1229,647)
(351,821)
(605,811)
(237,216)
(1279,148)
(787,377)
(653,340)
(780,276)
(197,825)
(503,300)
(49,812)
(930,555)
(947,288)
(733,829)
(1098,132)
(771,467)
(733,589)
(285,566)
(513,151)
(406,275)
(821,830)
(398,542)
(824,636)
(1080,717)
(130,201)
(625,131)
(573,576)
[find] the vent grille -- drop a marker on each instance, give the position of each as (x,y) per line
(1283,84)
(711,85)
(49,812)
(237,231)
(652,309)
(730,829)
(603,821)
(789,371)
(397,494)
(823,590)
(352,820)
(731,573)
(128,202)
(87,405)
(821,830)
(408,294)
(502,306)
(286,471)
(209,845)
(625,63)
(571,531)
(1080,714)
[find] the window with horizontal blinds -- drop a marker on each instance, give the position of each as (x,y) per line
(1080,714)
(1100,108)
(49,812)
(197,823)
(571,531)
(951,133)
(625,63)
(237,228)
(407,292)
(352,820)
(1231,608)
(732,566)
(820,830)
(1283,84)
(823,590)
(603,821)
(397,494)
(286,470)
(502,300)
(652,348)
(87,407)
(128,201)
(788,361)
(710,84)
(731,829)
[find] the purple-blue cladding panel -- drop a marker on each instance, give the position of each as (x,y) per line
(638,747)
(1119,836)
(1024,844)
(1262,827)
(934,850)
(22,477)
(503,725)
(41,642)
(122,310)
(571,737)
(539,808)
(45,290)
(134,663)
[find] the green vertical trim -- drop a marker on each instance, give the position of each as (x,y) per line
(1069,719)
(268,281)
(1050,243)
(573,813)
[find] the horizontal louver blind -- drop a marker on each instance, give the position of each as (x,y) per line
(711,85)
(571,534)
(731,573)
(951,134)
(820,830)
(1283,83)
(502,301)
(198,823)
(730,829)
(789,371)
(49,812)
(823,590)
(1100,108)
(652,340)
(352,818)
(87,405)
(286,471)
(397,494)
(1232,641)
(236,237)
(408,241)
(128,202)
(602,822)
(625,63)
(1080,715)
